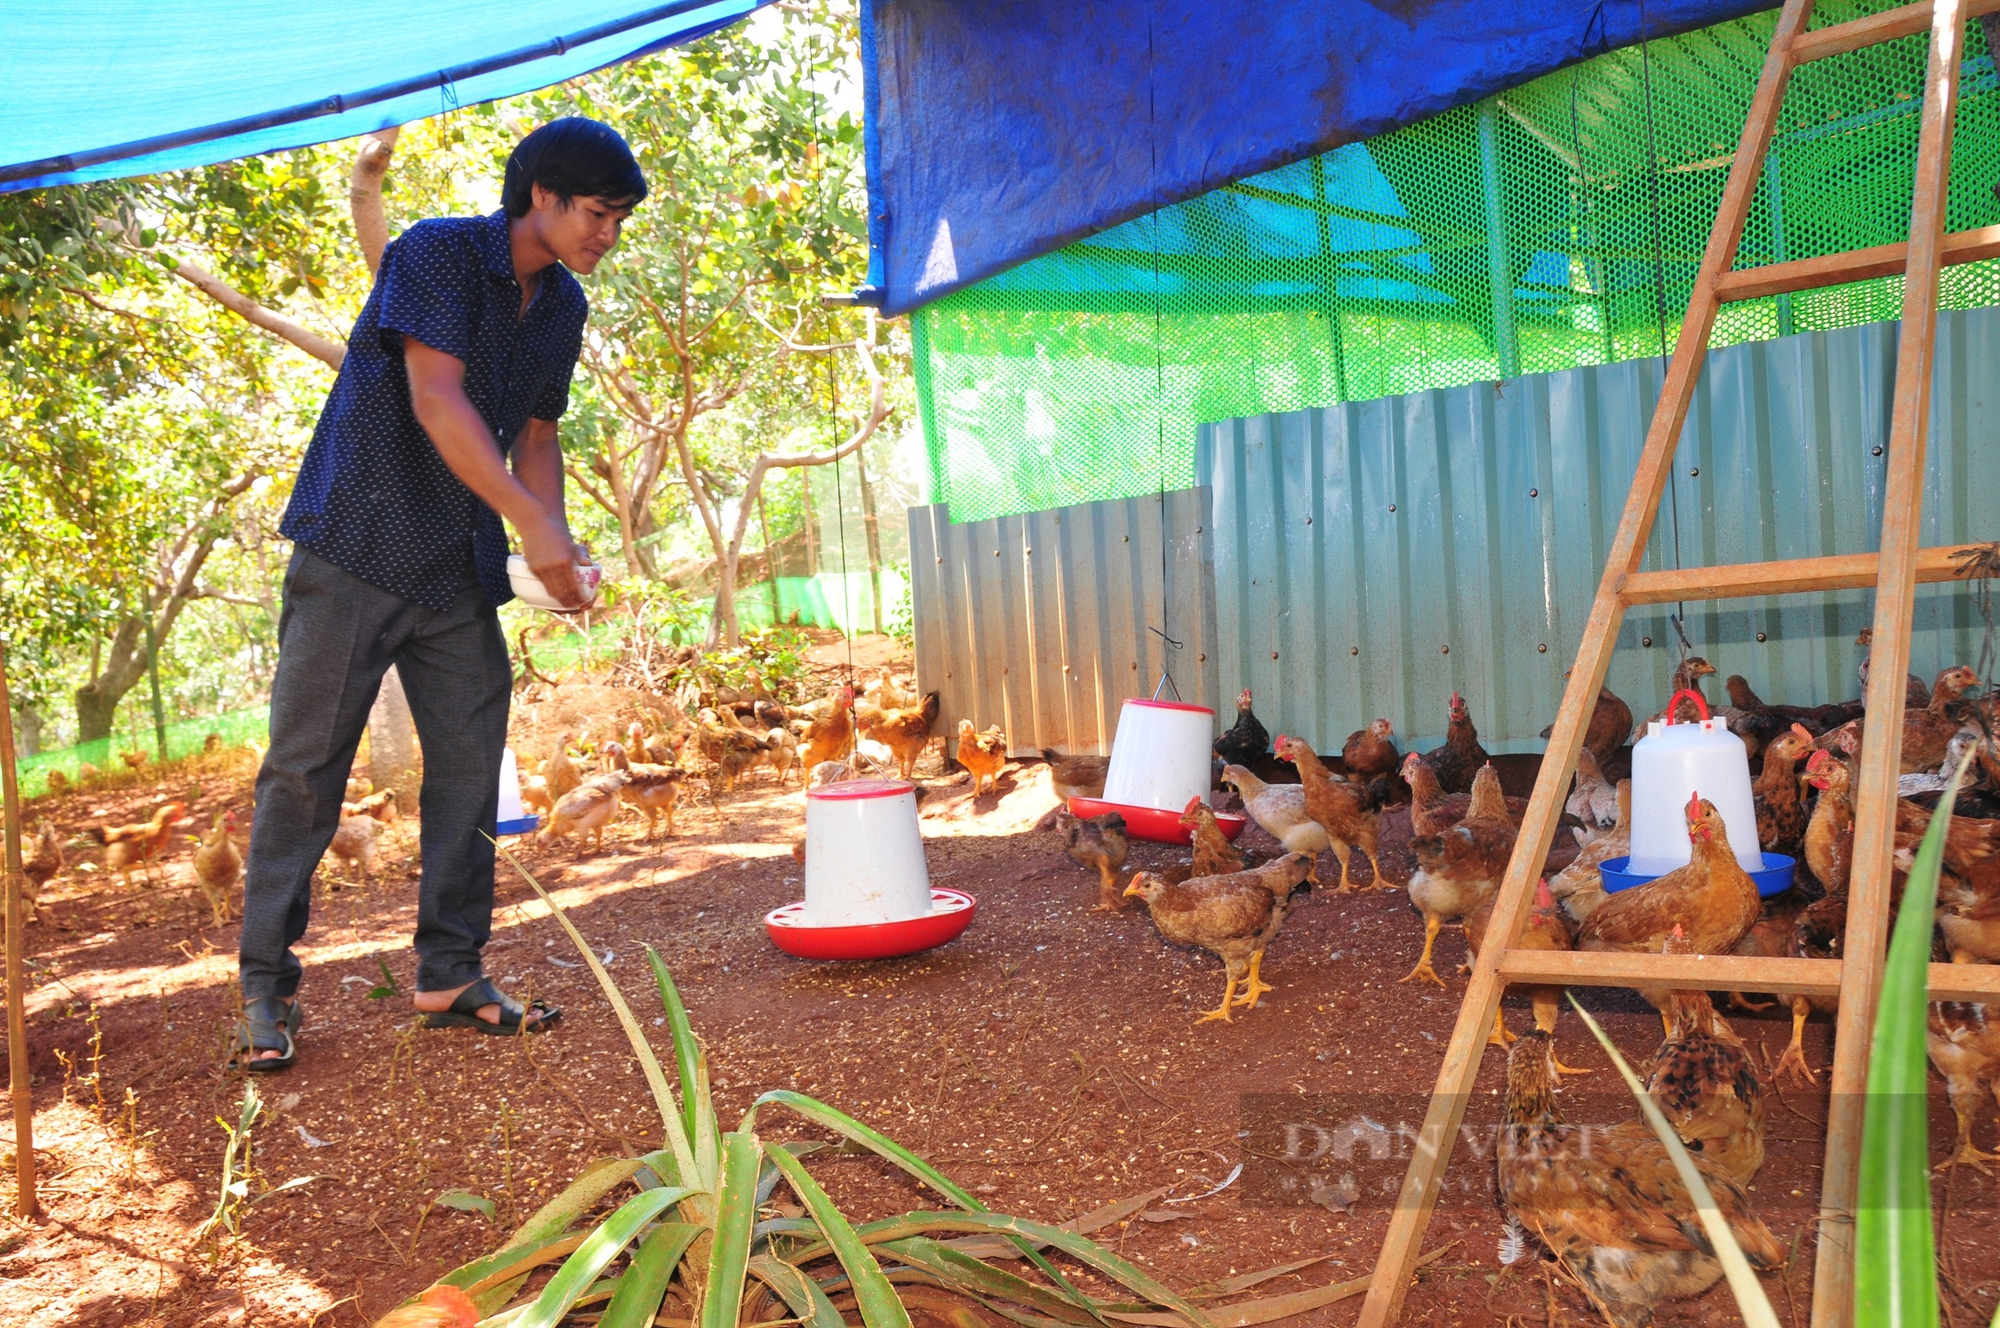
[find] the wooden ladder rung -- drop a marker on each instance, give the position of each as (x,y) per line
(1882,260)
(1804,977)
(1843,571)
(1840,38)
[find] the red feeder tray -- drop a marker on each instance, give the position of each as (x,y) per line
(951,913)
(1162,827)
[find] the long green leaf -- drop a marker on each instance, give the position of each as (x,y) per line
(1080,1248)
(803,1296)
(1895,1262)
(670,1116)
(965,1273)
(735,1215)
(577,1198)
(686,1049)
(1751,1302)
(501,1266)
(883,1146)
(879,1305)
(646,1278)
(613,1234)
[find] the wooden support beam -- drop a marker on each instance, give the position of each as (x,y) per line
(1979,983)
(1882,260)
(1844,571)
(1908,21)
(1424,1180)
(1874,788)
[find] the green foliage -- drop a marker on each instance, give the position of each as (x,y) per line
(704,1244)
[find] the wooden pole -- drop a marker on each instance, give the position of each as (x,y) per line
(17,923)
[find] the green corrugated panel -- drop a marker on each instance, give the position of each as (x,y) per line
(1375,270)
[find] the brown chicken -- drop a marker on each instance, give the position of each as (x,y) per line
(1076,776)
(1607,1201)
(654,789)
(1815,719)
(830,738)
(218,866)
(1350,817)
(559,770)
(1965,1047)
(1915,694)
(1578,888)
(1822,925)
(1461,756)
(1234,916)
(1459,870)
(1712,899)
(1099,843)
(1609,728)
(1546,929)
(586,809)
(1369,752)
(906,733)
(1927,729)
(130,847)
(1214,855)
(1686,678)
(1706,1083)
(438,1307)
(381,806)
(43,865)
(1781,813)
(984,754)
(729,748)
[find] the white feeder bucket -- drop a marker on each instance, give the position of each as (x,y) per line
(864,854)
(1160,757)
(510,818)
(1670,765)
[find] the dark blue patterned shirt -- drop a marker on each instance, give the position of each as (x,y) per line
(373,497)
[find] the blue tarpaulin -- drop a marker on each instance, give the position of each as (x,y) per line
(93,89)
(1000,131)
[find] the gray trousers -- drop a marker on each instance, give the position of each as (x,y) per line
(337,636)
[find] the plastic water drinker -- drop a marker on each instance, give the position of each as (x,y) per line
(864,854)
(1670,765)
(1160,756)
(510,819)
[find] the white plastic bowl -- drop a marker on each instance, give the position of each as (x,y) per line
(529,588)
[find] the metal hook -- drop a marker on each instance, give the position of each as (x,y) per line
(1166,680)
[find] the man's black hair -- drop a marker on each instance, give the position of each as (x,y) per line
(572,157)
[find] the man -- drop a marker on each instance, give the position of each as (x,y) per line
(459,363)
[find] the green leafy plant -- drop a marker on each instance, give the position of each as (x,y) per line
(697,1239)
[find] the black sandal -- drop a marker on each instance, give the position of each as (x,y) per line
(464,1012)
(268,1025)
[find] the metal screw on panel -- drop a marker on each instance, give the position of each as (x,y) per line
(1534,493)
(940,560)
(1444,650)
(1128,539)
(1874,451)
(1760,636)
(1354,650)
(1274,654)
(1065,668)
(1693,471)
(1542,648)
(1197,530)
(1201,659)
(1645,640)
(1003,671)
(1392,507)
(1309,520)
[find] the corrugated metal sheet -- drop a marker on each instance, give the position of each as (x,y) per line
(1370,558)
(1041,623)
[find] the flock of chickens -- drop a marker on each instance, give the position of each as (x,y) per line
(1610,1207)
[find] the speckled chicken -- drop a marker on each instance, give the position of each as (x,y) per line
(654,789)
(1348,813)
(1245,741)
(1606,1200)
(1100,844)
(1234,916)
(1578,889)
(984,754)
(1459,759)
(1459,870)
(1687,678)
(1706,1083)
(354,843)
(1965,1048)
(1781,813)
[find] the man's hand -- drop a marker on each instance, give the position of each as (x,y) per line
(553,557)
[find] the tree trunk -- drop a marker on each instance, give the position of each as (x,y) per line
(28,730)
(392,742)
(97,700)
(722,628)
(874,539)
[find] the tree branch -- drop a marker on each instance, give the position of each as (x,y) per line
(321,348)
(364,193)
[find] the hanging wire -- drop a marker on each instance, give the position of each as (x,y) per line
(1159,381)
(840,519)
(1659,267)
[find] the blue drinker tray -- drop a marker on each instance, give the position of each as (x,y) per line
(526,826)
(1775,879)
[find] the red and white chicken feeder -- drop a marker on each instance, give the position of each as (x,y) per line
(1160,759)
(868,889)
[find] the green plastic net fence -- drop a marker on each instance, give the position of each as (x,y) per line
(1556,225)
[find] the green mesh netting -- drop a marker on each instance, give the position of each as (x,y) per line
(1556,225)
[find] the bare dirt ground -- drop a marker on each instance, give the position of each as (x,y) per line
(1049,1058)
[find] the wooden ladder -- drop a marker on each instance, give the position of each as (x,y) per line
(1894,573)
